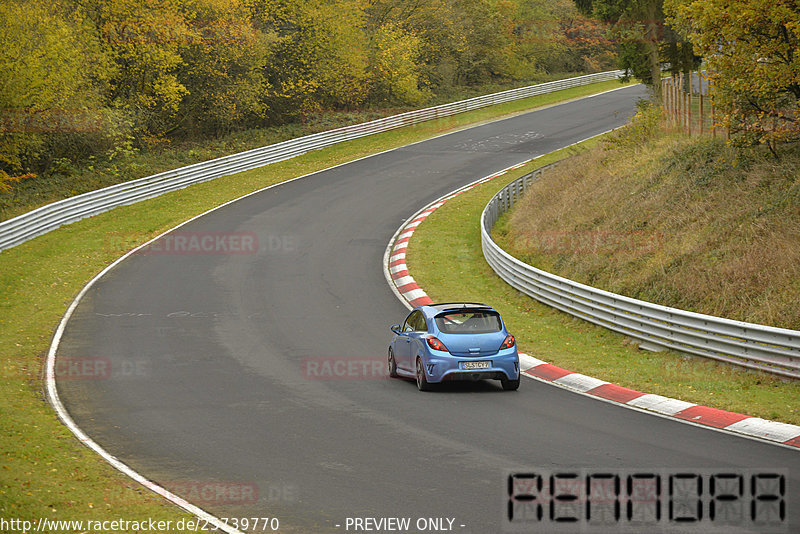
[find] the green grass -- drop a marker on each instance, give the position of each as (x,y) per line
(446,261)
(44,471)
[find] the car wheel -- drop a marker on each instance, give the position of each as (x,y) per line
(510,385)
(422,381)
(392,364)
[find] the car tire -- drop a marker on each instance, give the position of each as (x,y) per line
(510,385)
(422,380)
(392,364)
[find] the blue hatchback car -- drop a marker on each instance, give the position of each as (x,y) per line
(454,341)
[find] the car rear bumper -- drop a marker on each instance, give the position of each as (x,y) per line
(504,365)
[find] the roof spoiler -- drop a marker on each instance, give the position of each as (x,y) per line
(443,306)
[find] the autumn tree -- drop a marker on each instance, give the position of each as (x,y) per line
(395,65)
(320,56)
(434,25)
(143,38)
(51,90)
(89,77)
(222,68)
(637,25)
(558,38)
(751,50)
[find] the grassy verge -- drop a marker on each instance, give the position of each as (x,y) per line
(44,472)
(571,343)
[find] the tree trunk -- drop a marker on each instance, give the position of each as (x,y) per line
(652,40)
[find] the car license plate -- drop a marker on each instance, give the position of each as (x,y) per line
(476,365)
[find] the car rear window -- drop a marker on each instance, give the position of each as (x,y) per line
(468,322)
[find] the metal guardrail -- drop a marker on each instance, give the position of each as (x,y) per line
(766,348)
(42,220)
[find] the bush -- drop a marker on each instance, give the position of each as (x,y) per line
(644,126)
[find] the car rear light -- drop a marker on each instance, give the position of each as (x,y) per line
(508,342)
(435,344)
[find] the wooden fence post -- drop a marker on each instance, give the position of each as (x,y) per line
(681,102)
(702,116)
(713,112)
(689,104)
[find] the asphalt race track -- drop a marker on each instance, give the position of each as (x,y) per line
(221,362)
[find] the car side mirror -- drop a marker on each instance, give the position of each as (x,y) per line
(395,328)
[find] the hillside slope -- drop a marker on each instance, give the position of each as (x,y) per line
(683,222)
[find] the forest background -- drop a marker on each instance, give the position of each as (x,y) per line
(89,84)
